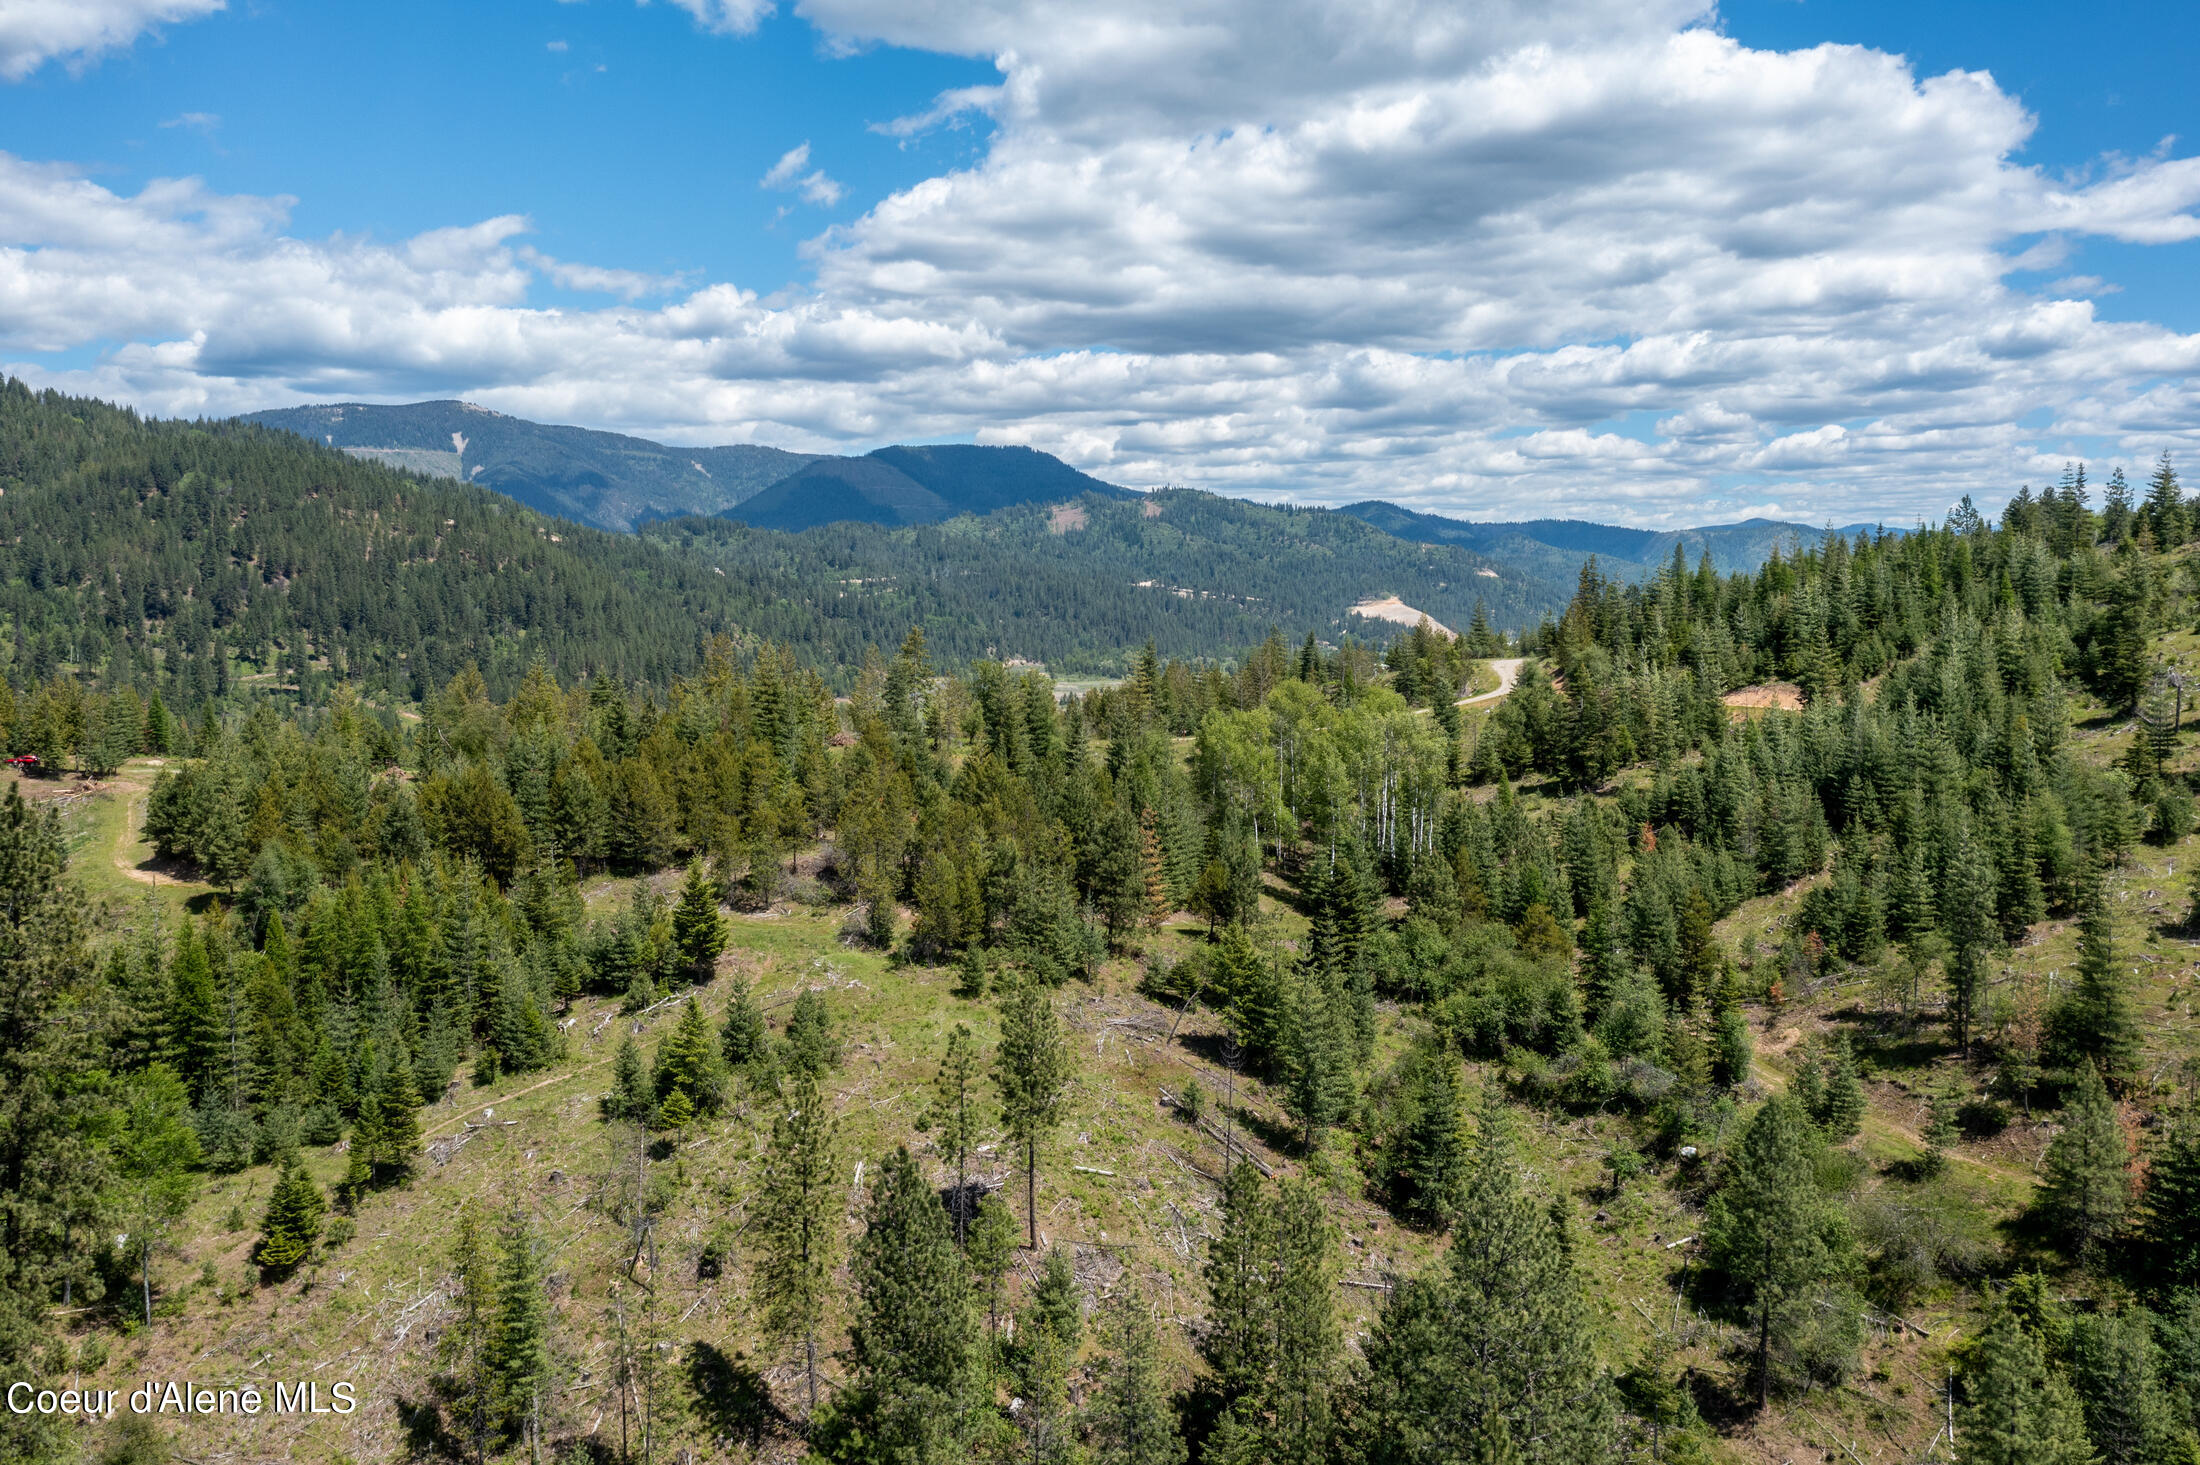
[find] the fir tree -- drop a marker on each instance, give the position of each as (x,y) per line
(1309,1344)
(1049,1419)
(1732,1051)
(688,1062)
(194,1025)
(953,1117)
(2165,506)
(913,1347)
(2017,1411)
(989,1246)
(58,1155)
(798,1211)
(2172,1209)
(698,930)
(1834,1097)
(1130,1413)
(1153,872)
(293,1221)
(466,1348)
(2116,1372)
(1031,1069)
(1503,1330)
(811,1046)
(1057,1303)
(2088,1168)
(155,1152)
(1432,1153)
(1968,909)
(393,1143)
(1699,950)
(1238,1343)
(742,1038)
(1317,1056)
(1769,1230)
(519,1347)
(630,1100)
(2097,1024)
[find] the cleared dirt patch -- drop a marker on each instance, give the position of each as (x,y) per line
(1149,510)
(1391,608)
(1784,695)
(1064,517)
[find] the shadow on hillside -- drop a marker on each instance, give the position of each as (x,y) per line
(427,1436)
(734,1401)
(963,1203)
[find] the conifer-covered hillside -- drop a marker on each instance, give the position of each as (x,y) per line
(1763,1031)
(185,557)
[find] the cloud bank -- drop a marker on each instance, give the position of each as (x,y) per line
(1492,259)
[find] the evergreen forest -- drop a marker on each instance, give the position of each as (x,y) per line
(605,1005)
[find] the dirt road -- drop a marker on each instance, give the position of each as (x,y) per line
(1508,675)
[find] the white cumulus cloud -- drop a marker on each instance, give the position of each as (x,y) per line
(726,17)
(813,184)
(33,32)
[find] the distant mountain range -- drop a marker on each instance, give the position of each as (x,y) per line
(1556,547)
(612,481)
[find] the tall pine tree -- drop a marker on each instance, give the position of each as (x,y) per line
(1771,1232)
(798,1211)
(2016,1410)
(953,1117)
(1501,1333)
(1130,1414)
(2089,1169)
(1032,1070)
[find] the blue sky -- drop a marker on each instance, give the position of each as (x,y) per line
(2112,77)
(637,144)
(1626,258)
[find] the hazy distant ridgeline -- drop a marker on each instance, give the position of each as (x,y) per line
(1558,546)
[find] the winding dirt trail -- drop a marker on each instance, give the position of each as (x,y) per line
(132,821)
(1508,677)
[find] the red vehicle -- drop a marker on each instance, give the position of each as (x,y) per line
(24,760)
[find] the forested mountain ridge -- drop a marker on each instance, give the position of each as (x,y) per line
(605,479)
(917,485)
(613,481)
(181,557)
(1615,1072)
(1083,585)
